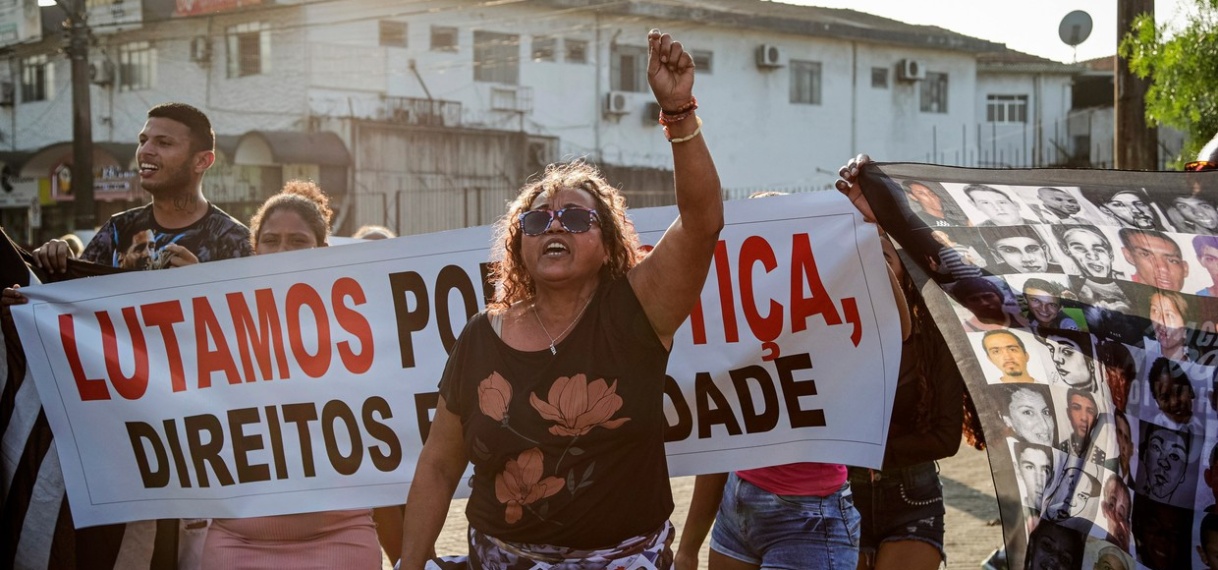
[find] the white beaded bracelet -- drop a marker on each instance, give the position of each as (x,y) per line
(691,137)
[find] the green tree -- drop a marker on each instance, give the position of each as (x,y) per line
(1182,64)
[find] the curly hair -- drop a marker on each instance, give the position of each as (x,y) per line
(303,198)
(512,280)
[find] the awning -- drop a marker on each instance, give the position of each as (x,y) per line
(105,154)
(273,148)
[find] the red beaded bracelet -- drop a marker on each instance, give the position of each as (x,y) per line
(670,117)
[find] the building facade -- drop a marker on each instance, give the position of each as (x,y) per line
(428,115)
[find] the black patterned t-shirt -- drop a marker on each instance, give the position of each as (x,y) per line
(134,240)
(568,448)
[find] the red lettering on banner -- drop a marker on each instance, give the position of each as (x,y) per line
(130,387)
(218,360)
(354,323)
(164,315)
(757,250)
(260,336)
(300,296)
(768,327)
(88,388)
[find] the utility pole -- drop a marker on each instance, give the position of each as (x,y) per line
(1135,144)
(82,113)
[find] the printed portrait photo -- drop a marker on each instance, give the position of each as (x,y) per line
(1164,459)
(986,303)
(1010,356)
(1123,207)
(991,205)
(1027,412)
(1162,534)
(1019,249)
(1057,204)
(931,202)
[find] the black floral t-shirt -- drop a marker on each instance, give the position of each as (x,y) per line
(133,239)
(567,448)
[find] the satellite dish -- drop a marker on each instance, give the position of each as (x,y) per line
(1075,28)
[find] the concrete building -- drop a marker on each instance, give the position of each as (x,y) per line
(428,115)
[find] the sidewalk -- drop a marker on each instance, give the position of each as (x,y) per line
(967,487)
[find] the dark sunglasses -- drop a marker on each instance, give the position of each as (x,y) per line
(1200,166)
(573,219)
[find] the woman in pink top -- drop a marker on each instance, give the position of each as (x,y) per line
(296,218)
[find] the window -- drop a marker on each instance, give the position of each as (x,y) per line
(628,68)
(136,66)
(703,60)
(37,76)
(805,82)
(879,77)
(545,48)
(1006,108)
(393,34)
(934,93)
(443,38)
(577,51)
(497,58)
(249,49)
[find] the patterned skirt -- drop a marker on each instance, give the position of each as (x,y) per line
(647,552)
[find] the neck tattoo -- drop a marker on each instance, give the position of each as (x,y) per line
(555,339)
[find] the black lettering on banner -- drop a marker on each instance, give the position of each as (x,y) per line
(301,415)
(208,452)
(488,287)
(685,420)
(453,277)
(385,462)
(424,403)
(792,390)
(338,410)
(276,433)
(138,432)
(704,388)
(243,444)
(175,449)
(756,421)
(409,322)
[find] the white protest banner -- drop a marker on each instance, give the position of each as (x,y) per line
(306,380)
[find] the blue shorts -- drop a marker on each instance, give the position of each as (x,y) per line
(899,504)
(786,531)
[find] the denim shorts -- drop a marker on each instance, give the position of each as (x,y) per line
(786,531)
(899,504)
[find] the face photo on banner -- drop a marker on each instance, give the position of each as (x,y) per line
(1165,472)
(1163,534)
(1103,555)
(1019,249)
(1047,302)
(1034,469)
(1057,204)
(1187,211)
(1116,511)
(1174,388)
(1158,260)
(1027,411)
(1010,356)
(991,205)
(1205,252)
(931,202)
(1207,540)
(1074,497)
(1091,252)
(986,303)
(1123,207)
(1071,362)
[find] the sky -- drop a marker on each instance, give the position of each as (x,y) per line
(1029,26)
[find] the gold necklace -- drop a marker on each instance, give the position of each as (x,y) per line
(554,339)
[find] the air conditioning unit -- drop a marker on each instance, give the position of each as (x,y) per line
(910,70)
(101,72)
(769,55)
(200,49)
(651,114)
(7,93)
(618,103)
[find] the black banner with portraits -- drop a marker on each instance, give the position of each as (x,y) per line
(1081,307)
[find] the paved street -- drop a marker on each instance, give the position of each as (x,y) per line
(972,513)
